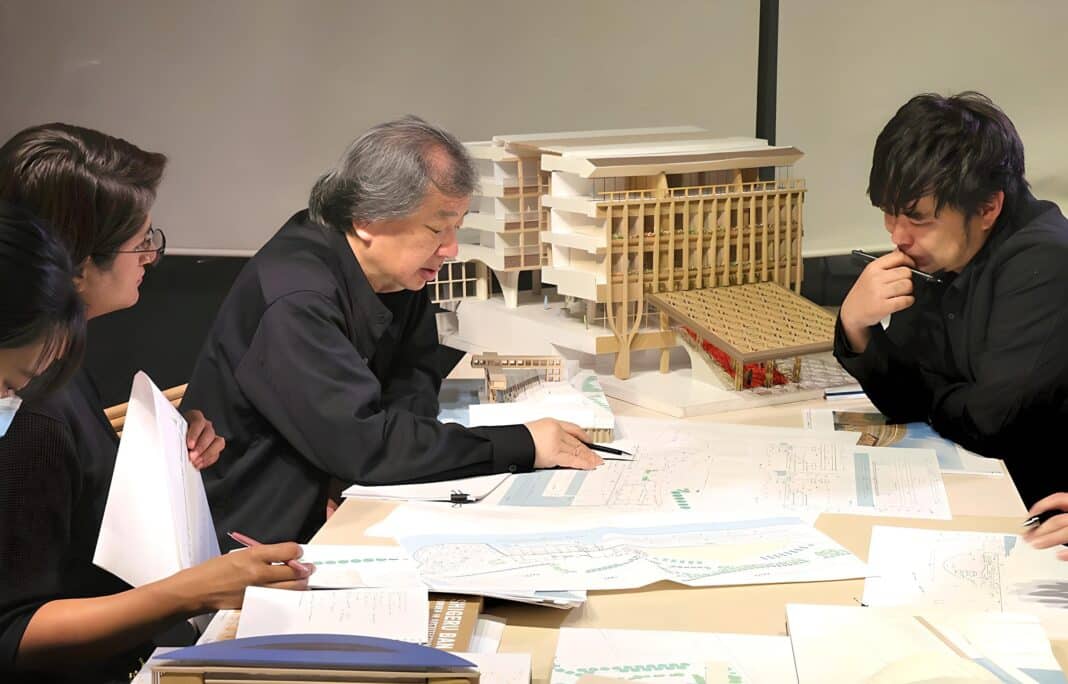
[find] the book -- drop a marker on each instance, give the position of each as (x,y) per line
(314,657)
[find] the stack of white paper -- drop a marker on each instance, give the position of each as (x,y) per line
(388,613)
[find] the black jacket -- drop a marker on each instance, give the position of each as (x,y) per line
(982,357)
(310,376)
(56,462)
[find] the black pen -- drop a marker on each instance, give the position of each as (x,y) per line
(1042,517)
(607,449)
(871,257)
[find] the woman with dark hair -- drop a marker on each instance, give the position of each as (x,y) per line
(61,617)
(42,320)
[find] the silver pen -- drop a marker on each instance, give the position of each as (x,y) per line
(871,257)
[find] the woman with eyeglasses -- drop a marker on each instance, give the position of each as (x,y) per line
(61,617)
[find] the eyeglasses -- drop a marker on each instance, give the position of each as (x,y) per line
(155,241)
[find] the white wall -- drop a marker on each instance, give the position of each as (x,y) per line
(253,99)
(845,68)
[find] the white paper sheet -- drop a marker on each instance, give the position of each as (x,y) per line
(670,657)
(967,570)
(952,458)
(352,567)
(851,644)
(388,613)
(468,488)
(695,552)
(730,468)
(500,668)
(156,520)
(488,633)
(223,625)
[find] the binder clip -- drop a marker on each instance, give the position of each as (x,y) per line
(456,498)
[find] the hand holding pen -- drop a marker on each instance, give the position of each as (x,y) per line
(1047,523)
(883,288)
(249,542)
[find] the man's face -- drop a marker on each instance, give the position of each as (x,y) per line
(406,253)
(936,242)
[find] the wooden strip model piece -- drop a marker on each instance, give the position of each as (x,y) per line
(758,322)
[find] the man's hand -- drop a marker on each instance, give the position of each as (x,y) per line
(557,443)
(204,445)
(1055,530)
(883,288)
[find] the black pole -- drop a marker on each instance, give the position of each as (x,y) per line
(767,76)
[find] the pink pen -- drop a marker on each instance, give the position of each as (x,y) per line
(249,542)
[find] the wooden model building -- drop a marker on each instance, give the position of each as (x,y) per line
(639,227)
(542,379)
(506,376)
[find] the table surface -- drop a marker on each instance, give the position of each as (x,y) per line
(981,503)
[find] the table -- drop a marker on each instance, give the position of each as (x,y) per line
(980,503)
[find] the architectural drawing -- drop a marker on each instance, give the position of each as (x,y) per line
(706,468)
(694,553)
(670,657)
(974,570)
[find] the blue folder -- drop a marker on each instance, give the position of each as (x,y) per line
(335,651)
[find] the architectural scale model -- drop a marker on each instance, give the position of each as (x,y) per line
(506,376)
(648,232)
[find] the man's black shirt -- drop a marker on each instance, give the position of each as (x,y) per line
(982,356)
(310,375)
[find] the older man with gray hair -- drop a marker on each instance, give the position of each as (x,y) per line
(321,363)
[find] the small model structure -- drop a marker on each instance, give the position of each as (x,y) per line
(735,320)
(539,381)
(507,376)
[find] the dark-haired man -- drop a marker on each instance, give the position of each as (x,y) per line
(979,354)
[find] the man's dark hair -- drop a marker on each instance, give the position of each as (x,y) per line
(961,149)
(387,172)
(39,303)
(94,190)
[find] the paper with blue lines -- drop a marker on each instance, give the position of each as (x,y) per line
(696,552)
(709,467)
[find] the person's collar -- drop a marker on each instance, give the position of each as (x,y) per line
(361,294)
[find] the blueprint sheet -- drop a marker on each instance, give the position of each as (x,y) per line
(972,570)
(670,657)
(728,468)
(696,553)
(951,457)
